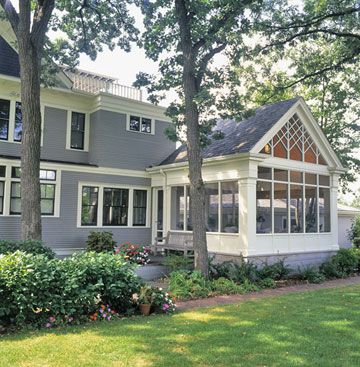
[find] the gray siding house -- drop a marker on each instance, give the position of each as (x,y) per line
(98,138)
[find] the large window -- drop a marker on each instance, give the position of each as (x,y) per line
(212,207)
(115,209)
(89,205)
(140,124)
(229,207)
(77,130)
(104,206)
(4,119)
(221,207)
(139,207)
(47,191)
(292,202)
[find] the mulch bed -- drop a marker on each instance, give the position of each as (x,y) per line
(296,286)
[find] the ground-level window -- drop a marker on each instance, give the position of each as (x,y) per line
(103,205)
(292,202)
(89,205)
(115,209)
(221,207)
(140,204)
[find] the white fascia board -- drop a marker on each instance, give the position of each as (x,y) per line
(110,102)
(210,161)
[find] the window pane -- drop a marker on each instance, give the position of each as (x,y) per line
(15,206)
(2,171)
(189,226)
(46,174)
(47,207)
(263,207)
(15,172)
(296,209)
(212,207)
(324,209)
(324,180)
(77,121)
(139,210)
(89,206)
(115,210)
(177,208)
(135,123)
(15,189)
(296,176)
(146,125)
(310,179)
(77,140)
(280,208)
(18,122)
(310,209)
(280,175)
(4,118)
(264,173)
(266,149)
(229,207)
(47,191)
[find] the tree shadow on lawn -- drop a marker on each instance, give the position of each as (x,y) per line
(320,328)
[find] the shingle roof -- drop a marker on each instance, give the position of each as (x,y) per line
(239,137)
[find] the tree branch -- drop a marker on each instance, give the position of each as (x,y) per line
(41,20)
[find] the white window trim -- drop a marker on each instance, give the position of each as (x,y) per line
(7,191)
(141,117)
(68,131)
(101,187)
(13,99)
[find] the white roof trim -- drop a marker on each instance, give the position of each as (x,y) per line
(319,138)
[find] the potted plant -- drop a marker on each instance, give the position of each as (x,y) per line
(145,299)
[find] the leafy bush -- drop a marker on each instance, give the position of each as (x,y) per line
(267,283)
(136,254)
(275,271)
(188,285)
(178,262)
(311,274)
(238,272)
(344,263)
(354,232)
(100,242)
(34,288)
(225,286)
(31,247)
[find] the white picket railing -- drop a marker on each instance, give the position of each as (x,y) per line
(93,85)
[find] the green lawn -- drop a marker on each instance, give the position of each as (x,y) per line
(319,328)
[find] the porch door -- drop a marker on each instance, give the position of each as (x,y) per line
(159,214)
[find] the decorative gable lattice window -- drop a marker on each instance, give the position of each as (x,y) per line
(294,142)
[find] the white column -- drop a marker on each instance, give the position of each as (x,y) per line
(334,184)
(247,213)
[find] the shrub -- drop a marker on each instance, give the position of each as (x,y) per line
(344,263)
(311,274)
(100,242)
(178,262)
(354,232)
(188,285)
(225,286)
(34,288)
(267,283)
(31,247)
(133,253)
(238,272)
(275,271)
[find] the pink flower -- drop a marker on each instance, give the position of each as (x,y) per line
(48,325)
(52,319)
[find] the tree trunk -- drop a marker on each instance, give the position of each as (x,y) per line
(29,58)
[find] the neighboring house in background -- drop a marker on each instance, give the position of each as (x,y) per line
(271,183)
(346,216)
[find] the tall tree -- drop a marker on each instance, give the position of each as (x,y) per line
(186,36)
(87,25)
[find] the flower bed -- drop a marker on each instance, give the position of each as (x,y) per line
(136,254)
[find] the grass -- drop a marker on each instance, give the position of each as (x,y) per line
(318,328)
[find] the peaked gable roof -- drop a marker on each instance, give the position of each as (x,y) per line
(239,137)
